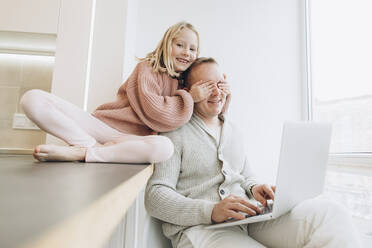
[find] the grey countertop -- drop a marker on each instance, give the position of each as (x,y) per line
(36,197)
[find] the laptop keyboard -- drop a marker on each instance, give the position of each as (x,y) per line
(264,210)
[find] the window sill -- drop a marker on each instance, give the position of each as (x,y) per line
(349,181)
(356,163)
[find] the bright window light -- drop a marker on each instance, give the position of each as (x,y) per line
(341,62)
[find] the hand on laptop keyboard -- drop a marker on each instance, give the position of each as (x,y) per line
(268,208)
(263,192)
(264,210)
(233,207)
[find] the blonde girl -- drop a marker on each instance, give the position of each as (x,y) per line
(122,131)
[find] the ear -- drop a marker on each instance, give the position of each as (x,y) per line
(224,76)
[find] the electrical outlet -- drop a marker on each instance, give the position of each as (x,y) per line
(20,121)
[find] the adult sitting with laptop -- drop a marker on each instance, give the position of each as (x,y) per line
(208,181)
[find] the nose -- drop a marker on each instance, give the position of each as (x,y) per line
(186,52)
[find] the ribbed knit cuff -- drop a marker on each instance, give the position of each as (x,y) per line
(207,212)
(249,191)
(248,188)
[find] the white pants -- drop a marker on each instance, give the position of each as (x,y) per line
(79,128)
(313,223)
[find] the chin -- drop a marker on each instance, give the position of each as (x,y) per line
(181,67)
(217,112)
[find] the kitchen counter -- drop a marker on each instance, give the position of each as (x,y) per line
(64,204)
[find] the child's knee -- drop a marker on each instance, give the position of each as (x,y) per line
(162,148)
(30,99)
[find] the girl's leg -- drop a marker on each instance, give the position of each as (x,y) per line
(66,121)
(134,149)
(80,129)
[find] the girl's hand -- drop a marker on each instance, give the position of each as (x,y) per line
(224,86)
(201,90)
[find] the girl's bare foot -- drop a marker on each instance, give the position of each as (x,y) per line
(59,153)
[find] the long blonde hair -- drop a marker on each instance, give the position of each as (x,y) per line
(160,58)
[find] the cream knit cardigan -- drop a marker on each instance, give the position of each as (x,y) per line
(184,189)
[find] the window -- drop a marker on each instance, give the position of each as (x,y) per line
(340,78)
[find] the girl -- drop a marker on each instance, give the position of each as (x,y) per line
(147,103)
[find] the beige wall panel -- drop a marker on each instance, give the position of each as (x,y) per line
(8,101)
(10,70)
(37,72)
(16,138)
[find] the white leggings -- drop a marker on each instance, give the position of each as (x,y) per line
(79,128)
(315,223)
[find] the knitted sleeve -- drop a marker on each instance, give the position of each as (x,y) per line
(249,177)
(163,201)
(161,113)
(245,170)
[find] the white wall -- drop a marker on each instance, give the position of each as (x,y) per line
(36,16)
(111,49)
(94,46)
(259,45)
(72,50)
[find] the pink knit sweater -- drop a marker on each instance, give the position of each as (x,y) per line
(148,101)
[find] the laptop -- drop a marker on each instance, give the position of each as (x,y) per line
(301,171)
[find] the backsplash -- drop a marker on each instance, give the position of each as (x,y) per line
(18,74)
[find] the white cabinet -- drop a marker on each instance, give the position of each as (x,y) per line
(34,16)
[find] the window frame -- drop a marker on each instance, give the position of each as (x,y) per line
(353,162)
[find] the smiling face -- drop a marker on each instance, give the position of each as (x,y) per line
(212,106)
(184,49)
